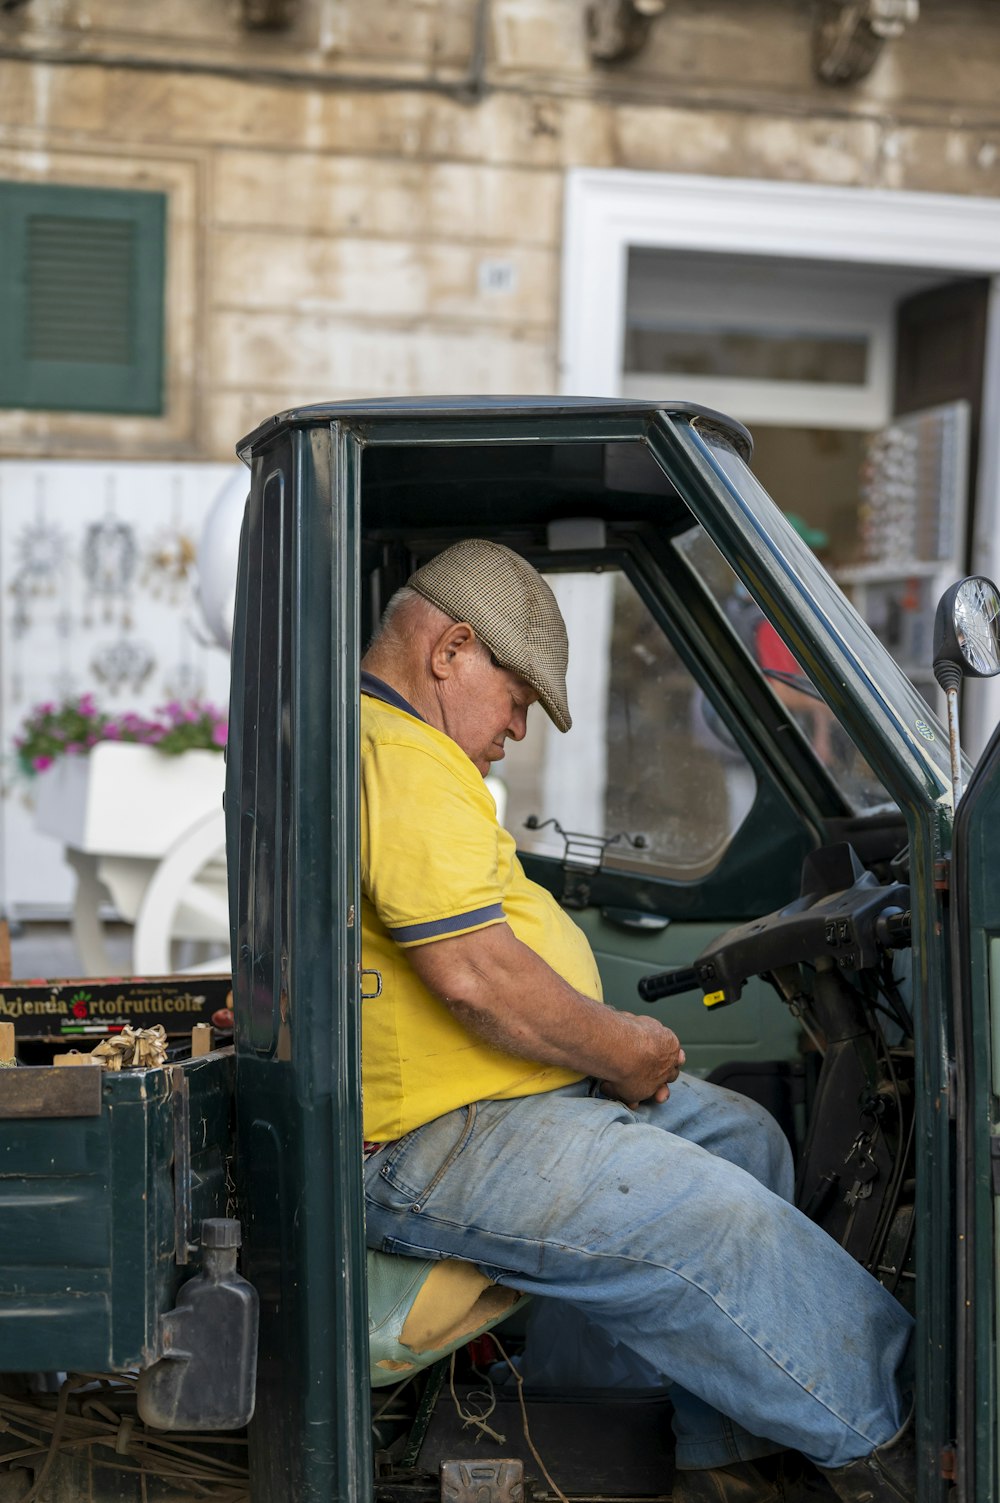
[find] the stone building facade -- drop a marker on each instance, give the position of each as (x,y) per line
(368,198)
(365,197)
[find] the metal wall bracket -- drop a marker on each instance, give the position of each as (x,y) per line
(268,15)
(848,35)
(618,29)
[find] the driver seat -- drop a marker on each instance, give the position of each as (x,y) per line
(422,1309)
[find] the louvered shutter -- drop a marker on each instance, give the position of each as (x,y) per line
(81,298)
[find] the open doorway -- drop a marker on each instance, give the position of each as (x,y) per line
(855,332)
(863,388)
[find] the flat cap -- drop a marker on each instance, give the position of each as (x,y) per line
(510,608)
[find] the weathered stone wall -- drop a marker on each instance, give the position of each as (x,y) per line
(339,188)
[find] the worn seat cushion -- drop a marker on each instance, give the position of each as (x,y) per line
(419,1310)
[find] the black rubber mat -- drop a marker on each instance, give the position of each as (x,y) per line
(612,1443)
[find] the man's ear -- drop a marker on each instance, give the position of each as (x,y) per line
(456,642)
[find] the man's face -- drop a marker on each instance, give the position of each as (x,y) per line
(486,706)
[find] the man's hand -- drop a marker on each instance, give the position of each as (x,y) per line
(663,1065)
(502,991)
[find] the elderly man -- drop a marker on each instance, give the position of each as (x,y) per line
(514,1120)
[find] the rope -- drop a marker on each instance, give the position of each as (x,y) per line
(467,1416)
(57,1428)
(183,1459)
(524,1418)
(180,1459)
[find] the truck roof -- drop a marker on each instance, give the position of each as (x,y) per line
(464,408)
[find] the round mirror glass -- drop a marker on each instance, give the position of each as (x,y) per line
(976,616)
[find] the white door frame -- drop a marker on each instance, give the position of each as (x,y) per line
(607,211)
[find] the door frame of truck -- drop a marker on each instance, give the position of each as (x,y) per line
(307,471)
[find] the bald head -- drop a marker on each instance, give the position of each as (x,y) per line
(408,615)
(402,651)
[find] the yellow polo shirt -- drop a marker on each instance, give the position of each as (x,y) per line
(436,863)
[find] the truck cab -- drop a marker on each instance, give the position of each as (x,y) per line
(753,822)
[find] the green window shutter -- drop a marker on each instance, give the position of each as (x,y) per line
(81,298)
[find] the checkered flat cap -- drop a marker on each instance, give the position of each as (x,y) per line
(510,608)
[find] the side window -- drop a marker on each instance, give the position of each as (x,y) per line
(647,759)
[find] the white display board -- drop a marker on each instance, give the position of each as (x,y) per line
(97,594)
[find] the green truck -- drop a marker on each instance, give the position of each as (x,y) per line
(769,857)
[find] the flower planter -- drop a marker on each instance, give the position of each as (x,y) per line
(125,799)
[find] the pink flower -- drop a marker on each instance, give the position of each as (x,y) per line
(112,732)
(86,704)
(219,732)
(40,763)
(46,709)
(73,748)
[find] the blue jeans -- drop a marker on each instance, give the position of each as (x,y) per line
(670,1231)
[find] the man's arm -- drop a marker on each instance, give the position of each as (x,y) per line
(506,994)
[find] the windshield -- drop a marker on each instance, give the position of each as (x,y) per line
(785,677)
(773,547)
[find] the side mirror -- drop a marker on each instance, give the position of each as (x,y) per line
(967,630)
(966,645)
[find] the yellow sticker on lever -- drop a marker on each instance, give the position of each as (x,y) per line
(714,999)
